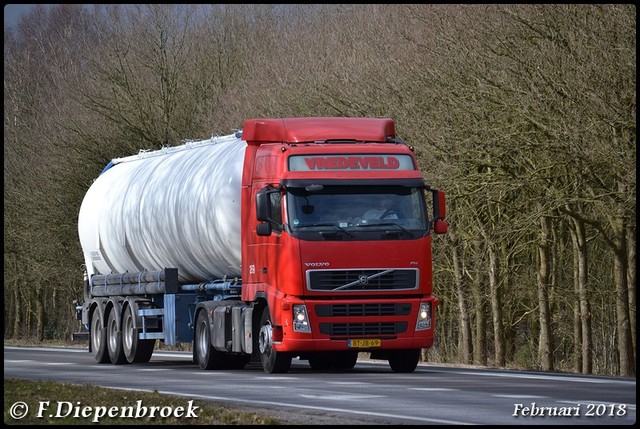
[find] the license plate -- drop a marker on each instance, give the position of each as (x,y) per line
(362,344)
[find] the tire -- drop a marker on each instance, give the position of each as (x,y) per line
(114,339)
(207,356)
(404,360)
(273,362)
(345,360)
(237,361)
(98,338)
(322,361)
(135,349)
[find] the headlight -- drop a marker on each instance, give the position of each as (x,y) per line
(300,319)
(424,316)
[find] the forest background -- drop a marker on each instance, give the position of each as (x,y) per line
(524,114)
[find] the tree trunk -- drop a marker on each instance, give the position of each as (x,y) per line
(17,312)
(480,337)
(463,314)
(545,347)
(39,315)
(631,280)
(577,322)
(577,337)
(579,239)
(496,308)
(625,343)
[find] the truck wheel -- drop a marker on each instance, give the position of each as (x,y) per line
(237,361)
(98,335)
(135,349)
(404,360)
(273,362)
(345,360)
(208,357)
(322,361)
(114,339)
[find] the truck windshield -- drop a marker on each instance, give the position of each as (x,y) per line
(356,212)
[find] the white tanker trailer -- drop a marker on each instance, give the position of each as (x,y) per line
(178,207)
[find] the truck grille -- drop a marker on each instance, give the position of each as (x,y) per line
(362,280)
(358,329)
(338,310)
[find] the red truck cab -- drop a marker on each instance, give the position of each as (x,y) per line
(336,242)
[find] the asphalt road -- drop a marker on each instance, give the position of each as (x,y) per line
(368,394)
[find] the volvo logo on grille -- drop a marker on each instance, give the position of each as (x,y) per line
(316,264)
(363,280)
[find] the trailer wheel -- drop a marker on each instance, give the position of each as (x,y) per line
(404,360)
(273,362)
(98,335)
(135,349)
(114,339)
(208,357)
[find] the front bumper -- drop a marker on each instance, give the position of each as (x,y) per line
(384,324)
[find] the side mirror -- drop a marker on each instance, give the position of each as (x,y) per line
(440,226)
(264,208)
(439,206)
(263,229)
(262,205)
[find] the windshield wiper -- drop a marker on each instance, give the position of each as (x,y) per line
(339,228)
(385,224)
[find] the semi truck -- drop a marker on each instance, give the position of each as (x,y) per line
(259,246)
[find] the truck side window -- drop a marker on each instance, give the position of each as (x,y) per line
(276,210)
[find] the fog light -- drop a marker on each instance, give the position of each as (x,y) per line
(424,316)
(300,319)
